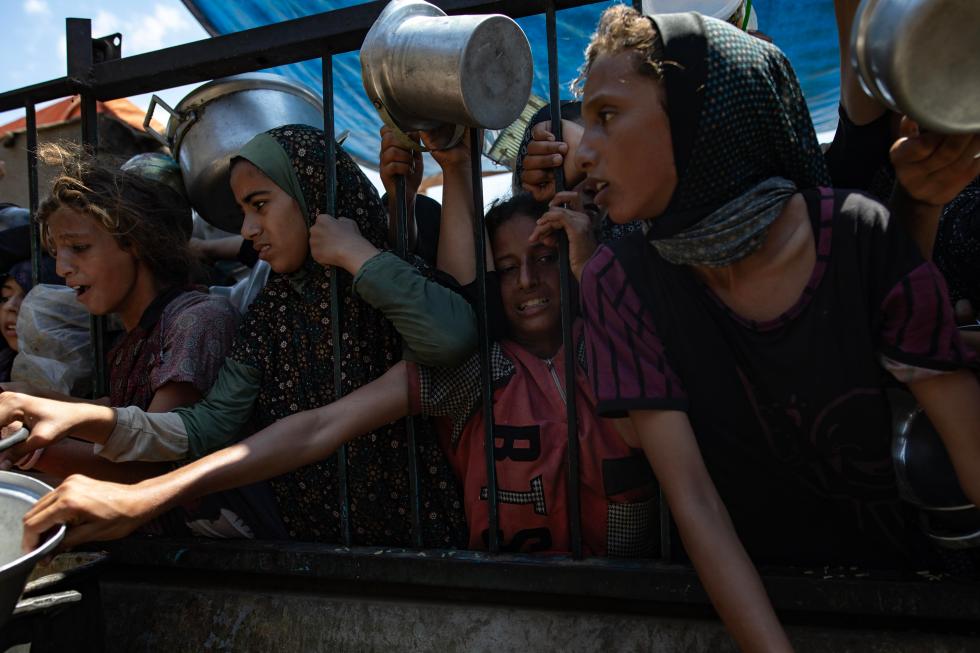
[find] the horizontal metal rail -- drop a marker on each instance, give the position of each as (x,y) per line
(301,39)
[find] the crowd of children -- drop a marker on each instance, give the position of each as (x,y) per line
(742,313)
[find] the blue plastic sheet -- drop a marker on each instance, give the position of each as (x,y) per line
(804,29)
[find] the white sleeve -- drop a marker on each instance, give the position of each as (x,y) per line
(148,437)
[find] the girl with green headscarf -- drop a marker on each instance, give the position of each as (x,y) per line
(747,330)
(282,360)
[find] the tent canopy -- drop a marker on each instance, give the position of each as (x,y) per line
(804,29)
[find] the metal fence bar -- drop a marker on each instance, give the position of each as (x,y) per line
(80,63)
(291,41)
(330,207)
(401,248)
(483,329)
(565,285)
(35,228)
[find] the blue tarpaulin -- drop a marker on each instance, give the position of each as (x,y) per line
(804,29)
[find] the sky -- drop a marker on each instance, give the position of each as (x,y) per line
(33,50)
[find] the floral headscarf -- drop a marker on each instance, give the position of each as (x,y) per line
(286,334)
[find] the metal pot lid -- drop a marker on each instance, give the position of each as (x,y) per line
(397,12)
(218,88)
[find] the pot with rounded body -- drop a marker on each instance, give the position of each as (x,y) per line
(921,58)
(17,494)
(215,120)
(424,68)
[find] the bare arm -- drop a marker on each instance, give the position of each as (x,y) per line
(71,456)
(454,254)
(860,108)
(725,570)
(952,402)
(50,421)
(99,511)
(397,160)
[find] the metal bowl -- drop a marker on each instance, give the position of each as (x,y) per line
(920,58)
(214,121)
(17,494)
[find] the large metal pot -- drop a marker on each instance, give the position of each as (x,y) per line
(17,494)
(921,58)
(422,68)
(215,120)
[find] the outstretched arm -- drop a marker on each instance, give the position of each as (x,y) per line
(725,570)
(97,510)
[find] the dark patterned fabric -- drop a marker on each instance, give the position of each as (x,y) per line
(630,529)
(455,392)
(287,335)
(737,119)
(790,414)
(182,337)
(957,249)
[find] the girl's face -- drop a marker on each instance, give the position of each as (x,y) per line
(273,219)
(529,286)
(103,275)
(11,295)
(626,149)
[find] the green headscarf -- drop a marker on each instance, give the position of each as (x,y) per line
(287,335)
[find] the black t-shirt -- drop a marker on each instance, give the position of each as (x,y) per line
(790,414)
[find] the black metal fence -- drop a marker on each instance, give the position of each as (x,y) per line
(96,72)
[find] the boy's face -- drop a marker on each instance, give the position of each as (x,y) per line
(529,286)
(626,149)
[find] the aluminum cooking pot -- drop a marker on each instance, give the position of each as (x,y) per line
(215,120)
(422,68)
(17,494)
(921,58)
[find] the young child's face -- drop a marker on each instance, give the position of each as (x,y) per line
(626,149)
(273,219)
(11,295)
(529,285)
(102,274)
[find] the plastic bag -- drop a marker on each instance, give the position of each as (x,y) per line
(55,342)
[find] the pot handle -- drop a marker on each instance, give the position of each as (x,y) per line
(405,141)
(154,101)
(19,436)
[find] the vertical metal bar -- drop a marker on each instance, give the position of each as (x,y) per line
(565,283)
(78,36)
(35,228)
(330,168)
(401,247)
(483,329)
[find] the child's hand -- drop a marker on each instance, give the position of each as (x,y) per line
(93,510)
(455,157)
(577,226)
(933,168)
(544,154)
(398,160)
(338,241)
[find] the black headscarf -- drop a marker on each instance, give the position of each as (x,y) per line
(738,121)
